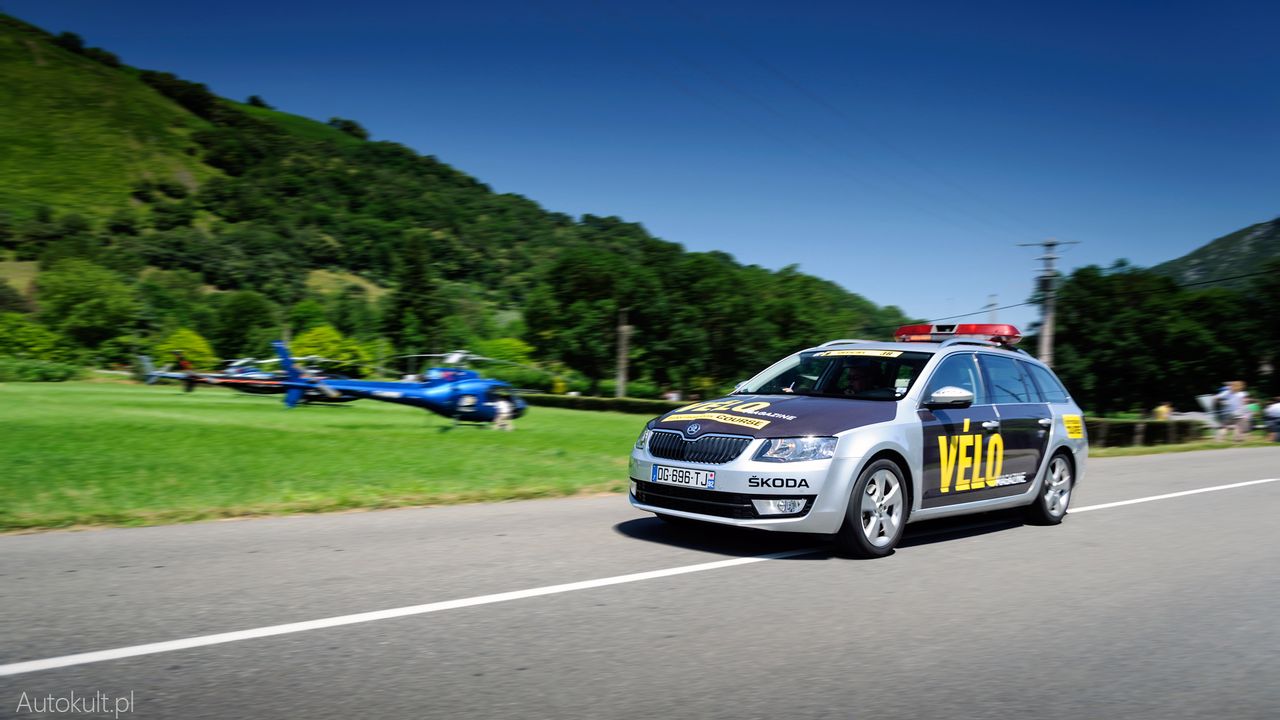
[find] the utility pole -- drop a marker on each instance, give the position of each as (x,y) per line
(624,337)
(1047,285)
(991,309)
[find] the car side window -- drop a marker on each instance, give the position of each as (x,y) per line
(1007,381)
(959,371)
(1050,388)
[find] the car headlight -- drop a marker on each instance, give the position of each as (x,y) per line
(643,441)
(797,449)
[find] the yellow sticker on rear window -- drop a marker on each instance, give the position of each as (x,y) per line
(1074,425)
(859,353)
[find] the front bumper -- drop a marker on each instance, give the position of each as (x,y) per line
(822,484)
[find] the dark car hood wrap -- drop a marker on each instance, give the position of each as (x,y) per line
(772,416)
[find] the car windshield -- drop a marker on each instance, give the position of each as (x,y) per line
(849,373)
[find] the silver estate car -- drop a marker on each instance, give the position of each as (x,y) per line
(856,439)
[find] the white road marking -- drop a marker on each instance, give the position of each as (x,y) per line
(337,621)
(219,638)
(1166,496)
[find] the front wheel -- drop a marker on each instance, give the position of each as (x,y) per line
(1051,505)
(877,512)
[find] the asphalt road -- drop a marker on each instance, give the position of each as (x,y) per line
(1162,609)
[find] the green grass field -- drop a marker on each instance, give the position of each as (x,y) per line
(113,453)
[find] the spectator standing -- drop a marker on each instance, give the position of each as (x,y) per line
(1272,417)
(503,410)
(1162,411)
(1232,410)
(1220,413)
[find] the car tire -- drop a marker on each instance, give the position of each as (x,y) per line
(1050,505)
(877,512)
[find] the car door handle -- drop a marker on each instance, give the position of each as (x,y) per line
(991,425)
(1045,422)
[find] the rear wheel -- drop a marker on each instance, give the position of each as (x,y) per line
(877,512)
(1051,505)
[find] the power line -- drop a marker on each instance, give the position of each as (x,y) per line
(1122,293)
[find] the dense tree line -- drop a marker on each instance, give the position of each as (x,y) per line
(1129,339)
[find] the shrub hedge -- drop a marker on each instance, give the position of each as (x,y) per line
(639,406)
(1124,433)
(24,370)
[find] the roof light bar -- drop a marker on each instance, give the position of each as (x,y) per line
(997,333)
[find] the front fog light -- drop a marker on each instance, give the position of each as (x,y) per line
(633,487)
(781,506)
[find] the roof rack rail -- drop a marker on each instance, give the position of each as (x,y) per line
(967,341)
(845,341)
(988,343)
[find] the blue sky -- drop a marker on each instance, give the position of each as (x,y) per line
(901,150)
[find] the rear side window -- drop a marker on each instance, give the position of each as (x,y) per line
(1050,388)
(958,371)
(1006,381)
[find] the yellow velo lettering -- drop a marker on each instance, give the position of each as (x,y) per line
(947,456)
(963,445)
(995,459)
(724,406)
(969,461)
(977,480)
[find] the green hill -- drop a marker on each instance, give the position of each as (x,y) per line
(77,134)
(237,219)
(1241,253)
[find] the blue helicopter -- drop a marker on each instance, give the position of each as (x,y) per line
(459,394)
(245,375)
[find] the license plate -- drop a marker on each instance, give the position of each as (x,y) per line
(683,476)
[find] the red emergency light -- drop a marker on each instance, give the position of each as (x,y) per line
(1003,334)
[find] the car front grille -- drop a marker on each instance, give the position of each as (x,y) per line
(695,500)
(706,502)
(711,449)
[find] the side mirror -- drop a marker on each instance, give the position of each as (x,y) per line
(949,397)
(738,387)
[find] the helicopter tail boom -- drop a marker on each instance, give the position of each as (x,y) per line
(286,362)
